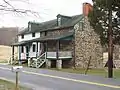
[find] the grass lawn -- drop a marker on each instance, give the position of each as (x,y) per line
(5,85)
(3,61)
(98,72)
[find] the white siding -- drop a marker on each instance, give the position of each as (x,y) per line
(28,37)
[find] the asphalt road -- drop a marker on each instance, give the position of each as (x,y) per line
(43,79)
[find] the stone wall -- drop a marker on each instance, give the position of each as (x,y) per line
(56,32)
(87,46)
(59,31)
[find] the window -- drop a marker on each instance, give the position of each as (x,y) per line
(29,27)
(45,33)
(22,36)
(33,34)
(22,49)
(59,21)
(82,26)
(34,47)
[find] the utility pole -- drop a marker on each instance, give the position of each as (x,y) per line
(110,43)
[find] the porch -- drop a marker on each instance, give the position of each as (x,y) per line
(48,48)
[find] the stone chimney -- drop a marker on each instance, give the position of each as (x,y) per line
(87,7)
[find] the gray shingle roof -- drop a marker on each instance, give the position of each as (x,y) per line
(52,24)
(19,43)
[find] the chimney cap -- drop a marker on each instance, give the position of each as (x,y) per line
(86,3)
(87,7)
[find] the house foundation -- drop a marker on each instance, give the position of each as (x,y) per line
(48,63)
(59,64)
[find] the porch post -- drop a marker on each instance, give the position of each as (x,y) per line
(46,46)
(19,60)
(58,62)
(74,51)
(12,55)
(57,50)
(37,50)
(48,62)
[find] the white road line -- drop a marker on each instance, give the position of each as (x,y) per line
(69,79)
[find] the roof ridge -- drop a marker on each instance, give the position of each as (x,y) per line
(52,24)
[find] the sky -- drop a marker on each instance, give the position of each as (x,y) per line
(46,10)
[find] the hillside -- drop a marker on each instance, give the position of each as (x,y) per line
(5,53)
(7,35)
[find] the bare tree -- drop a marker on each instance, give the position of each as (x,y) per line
(8,7)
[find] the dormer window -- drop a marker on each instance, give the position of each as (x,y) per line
(29,27)
(22,36)
(33,34)
(59,21)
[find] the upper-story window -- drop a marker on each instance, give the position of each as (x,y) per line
(33,34)
(22,36)
(81,26)
(45,33)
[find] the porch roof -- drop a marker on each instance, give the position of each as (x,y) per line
(64,36)
(19,43)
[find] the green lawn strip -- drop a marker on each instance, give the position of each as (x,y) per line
(3,61)
(97,72)
(117,73)
(6,85)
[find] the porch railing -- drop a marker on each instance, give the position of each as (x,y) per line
(61,54)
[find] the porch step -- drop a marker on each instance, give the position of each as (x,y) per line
(38,63)
(41,62)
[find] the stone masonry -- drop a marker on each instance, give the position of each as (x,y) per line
(87,46)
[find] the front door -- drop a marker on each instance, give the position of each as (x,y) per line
(27,52)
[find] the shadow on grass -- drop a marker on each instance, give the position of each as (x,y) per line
(6,85)
(97,72)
